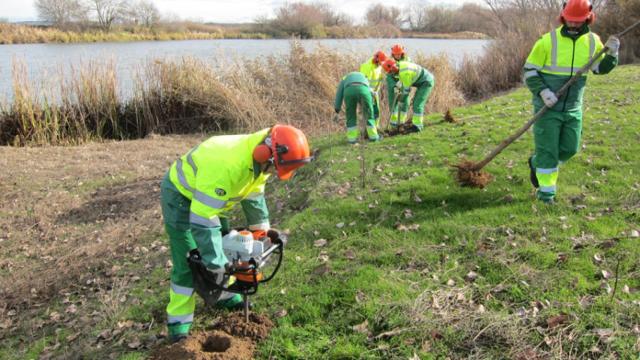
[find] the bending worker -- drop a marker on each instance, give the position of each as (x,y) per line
(202,186)
(411,75)
(354,90)
(398,54)
(372,69)
(554,59)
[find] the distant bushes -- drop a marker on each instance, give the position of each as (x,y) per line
(20,34)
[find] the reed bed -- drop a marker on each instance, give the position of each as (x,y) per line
(190,95)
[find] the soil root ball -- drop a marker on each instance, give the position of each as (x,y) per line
(448,117)
(467,175)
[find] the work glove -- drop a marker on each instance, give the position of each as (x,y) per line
(613,45)
(548,97)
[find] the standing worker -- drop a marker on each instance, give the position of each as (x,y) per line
(201,186)
(398,54)
(554,59)
(354,90)
(372,69)
(411,75)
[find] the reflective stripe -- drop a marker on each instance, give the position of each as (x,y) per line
(532,66)
(548,189)
(530,73)
(190,160)
(592,45)
(209,201)
(353,128)
(181,290)
(559,69)
(547,171)
(182,319)
(201,220)
(554,48)
(418,114)
(181,178)
(262,226)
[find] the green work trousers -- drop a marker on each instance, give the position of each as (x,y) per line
(354,95)
(419,101)
(557,139)
(182,303)
(398,108)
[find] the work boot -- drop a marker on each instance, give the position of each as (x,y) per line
(379,138)
(532,174)
(548,202)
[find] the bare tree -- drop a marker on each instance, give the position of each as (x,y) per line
(60,12)
(144,12)
(379,14)
(108,11)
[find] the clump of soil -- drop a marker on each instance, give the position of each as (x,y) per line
(402,129)
(467,175)
(448,117)
(215,345)
(256,329)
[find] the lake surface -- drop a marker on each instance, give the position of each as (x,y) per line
(44,61)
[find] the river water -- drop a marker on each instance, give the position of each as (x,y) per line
(46,60)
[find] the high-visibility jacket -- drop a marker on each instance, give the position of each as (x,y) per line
(373,73)
(351,79)
(217,174)
(556,57)
(412,74)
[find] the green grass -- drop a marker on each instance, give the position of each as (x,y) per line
(532,261)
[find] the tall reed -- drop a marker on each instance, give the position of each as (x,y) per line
(190,95)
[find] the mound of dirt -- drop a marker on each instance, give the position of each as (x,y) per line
(448,117)
(402,129)
(214,345)
(256,329)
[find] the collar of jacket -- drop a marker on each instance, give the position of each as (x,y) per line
(583,30)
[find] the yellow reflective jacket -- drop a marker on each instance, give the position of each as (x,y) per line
(556,57)
(411,74)
(373,73)
(217,174)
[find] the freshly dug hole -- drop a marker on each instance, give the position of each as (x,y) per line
(214,345)
(466,175)
(448,117)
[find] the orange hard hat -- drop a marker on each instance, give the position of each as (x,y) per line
(577,11)
(390,66)
(379,57)
(397,51)
(290,150)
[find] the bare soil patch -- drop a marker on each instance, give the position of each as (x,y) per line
(214,345)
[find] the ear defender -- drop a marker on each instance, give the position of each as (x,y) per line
(262,153)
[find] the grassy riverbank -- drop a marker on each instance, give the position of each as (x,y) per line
(410,267)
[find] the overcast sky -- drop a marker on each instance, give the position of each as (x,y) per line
(226,11)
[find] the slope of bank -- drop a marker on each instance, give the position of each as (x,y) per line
(412,266)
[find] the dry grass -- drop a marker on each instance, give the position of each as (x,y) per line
(189,95)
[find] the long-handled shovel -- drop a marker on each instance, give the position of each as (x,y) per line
(468,173)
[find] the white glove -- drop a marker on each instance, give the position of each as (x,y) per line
(548,97)
(399,85)
(613,45)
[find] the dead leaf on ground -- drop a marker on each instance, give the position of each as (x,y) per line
(322,270)
(606,274)
(350,255)
(134,344)
(360,297)
(280,313)
(605,335)
(320,243)
(362,328)
(557,320)
(471,276)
